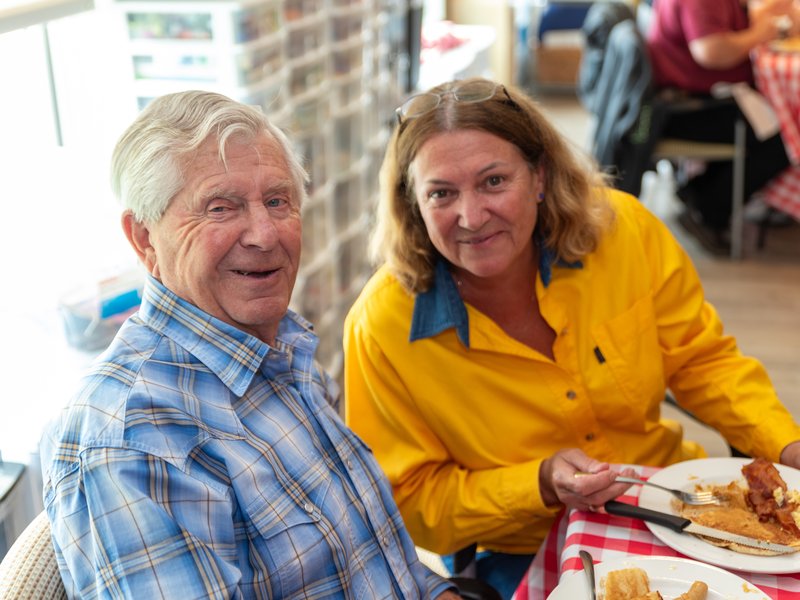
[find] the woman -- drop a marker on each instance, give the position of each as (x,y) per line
(524,326)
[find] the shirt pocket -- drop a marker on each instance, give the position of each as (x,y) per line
(287,533)
(633,382)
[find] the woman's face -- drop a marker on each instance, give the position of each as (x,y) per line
(479,200)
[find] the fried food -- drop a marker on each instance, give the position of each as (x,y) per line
(626,584)
(759,507)
(791,44)
(767,495)
(633,584)
(698,591)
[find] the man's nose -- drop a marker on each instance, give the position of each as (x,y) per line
(259,229)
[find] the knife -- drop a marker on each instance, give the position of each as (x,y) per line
(681,525)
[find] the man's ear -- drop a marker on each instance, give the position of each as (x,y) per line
(138,235)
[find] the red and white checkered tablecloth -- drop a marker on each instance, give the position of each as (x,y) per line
(777,75)
(609,537)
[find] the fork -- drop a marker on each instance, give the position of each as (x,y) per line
(696,498)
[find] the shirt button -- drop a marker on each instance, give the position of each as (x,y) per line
(571,394)
(308,507)
(589,437)
(385,540)
(349,464)
(564,331)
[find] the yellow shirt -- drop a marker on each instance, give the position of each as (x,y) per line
(461,417)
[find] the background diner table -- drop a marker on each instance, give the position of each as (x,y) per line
(777,75)
(608,537)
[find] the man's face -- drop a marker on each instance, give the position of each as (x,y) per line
(229,242)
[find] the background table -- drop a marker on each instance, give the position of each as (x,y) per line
(777,75)
(609,537)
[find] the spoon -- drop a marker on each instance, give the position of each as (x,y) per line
(588,568)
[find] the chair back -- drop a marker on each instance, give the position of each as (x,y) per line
(616,86)
(29,570)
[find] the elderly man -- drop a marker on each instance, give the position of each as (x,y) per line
(203,456)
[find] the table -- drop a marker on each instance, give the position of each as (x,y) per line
(467,59)
(777,75)
(608,537)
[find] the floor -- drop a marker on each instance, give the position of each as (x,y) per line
(757,297)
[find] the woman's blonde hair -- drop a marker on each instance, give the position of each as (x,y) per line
(572,217)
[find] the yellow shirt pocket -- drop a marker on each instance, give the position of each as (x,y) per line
(630,382)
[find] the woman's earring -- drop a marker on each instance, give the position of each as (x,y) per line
(541,196)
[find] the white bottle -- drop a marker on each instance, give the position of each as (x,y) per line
(665,205)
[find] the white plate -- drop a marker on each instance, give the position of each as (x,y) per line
(712,471)
(670,576)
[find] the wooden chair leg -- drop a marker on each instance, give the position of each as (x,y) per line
(763,226)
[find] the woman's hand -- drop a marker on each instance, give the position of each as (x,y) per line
(573,479)
(790,455)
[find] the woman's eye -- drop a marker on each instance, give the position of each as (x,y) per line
(438,195)
(494,180)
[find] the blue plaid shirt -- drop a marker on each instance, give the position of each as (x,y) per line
(198,462)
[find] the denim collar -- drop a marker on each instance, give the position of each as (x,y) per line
(441,307)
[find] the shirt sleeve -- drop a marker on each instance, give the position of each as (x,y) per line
(129,525)
(700,18)
(439,586)
(705,369)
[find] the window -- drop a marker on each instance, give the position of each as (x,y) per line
(61,223)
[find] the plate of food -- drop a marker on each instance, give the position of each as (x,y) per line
(766,514)
(789,44)
(637,576)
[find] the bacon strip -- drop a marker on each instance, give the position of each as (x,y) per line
(763,479)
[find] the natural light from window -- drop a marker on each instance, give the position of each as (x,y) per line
(61,227)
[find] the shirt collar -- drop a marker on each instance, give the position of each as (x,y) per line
(441,307)
(231,354)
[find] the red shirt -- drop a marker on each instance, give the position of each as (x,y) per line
(678,22)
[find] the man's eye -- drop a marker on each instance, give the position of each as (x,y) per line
(276,202)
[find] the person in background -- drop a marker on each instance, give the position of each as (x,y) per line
(693,45)
(203,456)
(524,325)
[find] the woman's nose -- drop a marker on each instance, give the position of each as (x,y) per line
(472,212)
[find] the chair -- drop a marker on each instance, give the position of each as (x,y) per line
(468,587)
(29,570)
(616,87)
(559,16)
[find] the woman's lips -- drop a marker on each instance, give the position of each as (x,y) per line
(478,240)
